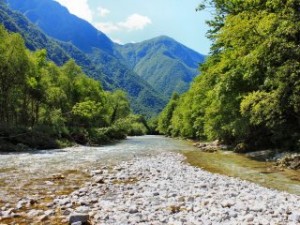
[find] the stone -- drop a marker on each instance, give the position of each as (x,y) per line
(249,218)
(82,209)
(189,196)
(99,180)
(133,210)
(227,203)
(295,217)
(43,218)
(34,213)
(79,217)
(21,204)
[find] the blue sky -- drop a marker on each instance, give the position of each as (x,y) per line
(126,21)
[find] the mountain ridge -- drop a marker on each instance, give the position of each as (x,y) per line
(110,79)
(150,57)
(166,66)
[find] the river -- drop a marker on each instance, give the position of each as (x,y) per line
(55,172)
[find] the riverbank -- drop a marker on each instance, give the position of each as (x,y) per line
(30,140)
(164,190)
(280,159)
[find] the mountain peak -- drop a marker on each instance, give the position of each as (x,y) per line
(166,64)
(83,35)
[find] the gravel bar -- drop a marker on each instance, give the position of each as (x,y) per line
(164,190)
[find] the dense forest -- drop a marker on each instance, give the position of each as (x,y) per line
(43,105)
(248,93)
(62,43)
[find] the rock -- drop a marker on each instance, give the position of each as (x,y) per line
(76,217)
(191,199)
(49,212)
(295,217)
(178,194)
(291,161)
(241,148)
(264,155)
(97,172)
(133,210)
(31,202)
(249,218)
(21,204)
(67,212)
(99,180)
(8,213)
(57,177)
(43,218)
(47,182)
(34,213)
(227,203)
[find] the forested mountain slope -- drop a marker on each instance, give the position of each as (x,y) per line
(166,64)
(105,67)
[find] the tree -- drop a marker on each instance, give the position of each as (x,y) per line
(13,69)
(249,86)
(119,105)
(164,119)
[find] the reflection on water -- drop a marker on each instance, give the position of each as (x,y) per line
(231,164)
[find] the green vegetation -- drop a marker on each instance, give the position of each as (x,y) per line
(163,62)
(43,105)
(249,88)
(93,51)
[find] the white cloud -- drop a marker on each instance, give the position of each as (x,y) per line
(103,11)
(107,27)
(79,8)
(135,22)
(118,41)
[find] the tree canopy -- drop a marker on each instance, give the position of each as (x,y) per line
(38,95)
(249,87)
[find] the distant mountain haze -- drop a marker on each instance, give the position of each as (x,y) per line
(149,71)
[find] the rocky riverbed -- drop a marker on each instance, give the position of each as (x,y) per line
(164,190)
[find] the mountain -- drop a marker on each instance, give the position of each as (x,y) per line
(73,40)
(56,21)
(166,64)
(149,71)
(59,52)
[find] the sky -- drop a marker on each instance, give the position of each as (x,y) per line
(131,21)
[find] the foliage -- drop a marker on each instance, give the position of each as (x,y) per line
(49,103)
(249,87)
(92,50)
(164,121)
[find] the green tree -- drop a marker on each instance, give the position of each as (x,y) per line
(164,119)
(14,67)
(119,105)
(248,90)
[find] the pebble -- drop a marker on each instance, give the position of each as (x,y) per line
(163,189)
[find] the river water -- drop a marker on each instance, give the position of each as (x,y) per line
(50,172)
(56,172)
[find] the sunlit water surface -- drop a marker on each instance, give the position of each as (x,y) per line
(38,173)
